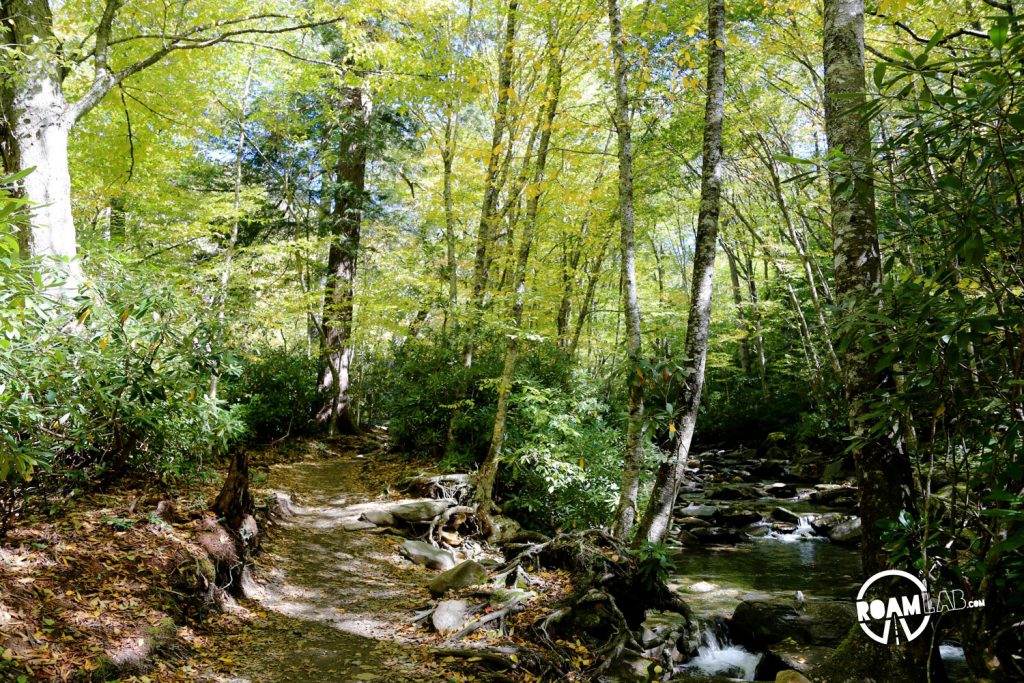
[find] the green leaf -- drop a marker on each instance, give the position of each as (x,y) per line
(997,34)
(879,74)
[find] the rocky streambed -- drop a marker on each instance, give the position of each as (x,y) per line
(769,562)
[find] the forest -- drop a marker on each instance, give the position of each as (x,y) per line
(511,340)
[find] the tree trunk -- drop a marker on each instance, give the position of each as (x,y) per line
(633,460)
(737,298)
(485,233)
(658,514)
(39,123)
(884,474)
(344,223)
(489,469)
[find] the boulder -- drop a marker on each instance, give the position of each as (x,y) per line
(381,516)
(420,510)
(468,573)
(701,587)
(759,624)
(824,524)
(790,676)
(450,615)
(838,496)
(691,522)
(733,492)
(768,469)
(358,525)
(686,538)
(781,514)
(702,511)
(829,621)
(427,555)
(716,534)
(780,490)
(739,518)
(846,533)
(756,531)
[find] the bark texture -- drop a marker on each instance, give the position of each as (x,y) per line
(38,123)
(886,484)
(633,460)
(343,224)
(658,514)
(884,473)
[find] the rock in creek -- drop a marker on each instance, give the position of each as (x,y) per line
(734,492)
(780,490)
(427,555)
(468,573)
(450,615)
(835,496)
(846,533)
(700,511)
(761,623)
(739,518)
(781,514)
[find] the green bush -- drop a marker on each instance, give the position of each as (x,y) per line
(276,392)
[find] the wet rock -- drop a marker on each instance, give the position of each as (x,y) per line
(427,555)
(790,676)
(760,623)
(468,573)
(450,615)
(702,511)
(420,510)
(757,531)
(780,490)
(802,658)
(701,587)
(783,527)
(691,522)
(828,621)
(716,534)
(846,533)
(733,492)
(835,496)
(739,518)
(768,469)
(687,539)
(781,514)
(824,524)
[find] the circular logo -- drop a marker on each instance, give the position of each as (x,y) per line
(895,609)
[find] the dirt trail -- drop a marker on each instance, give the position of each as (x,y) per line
(338,602)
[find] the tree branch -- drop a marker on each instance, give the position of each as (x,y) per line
(192,39)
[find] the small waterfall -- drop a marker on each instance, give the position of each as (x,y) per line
(717,656)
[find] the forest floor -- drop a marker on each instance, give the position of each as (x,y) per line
(100,582)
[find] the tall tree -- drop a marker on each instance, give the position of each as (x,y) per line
(884,474)
(633,459)
(489,468)
(343,225)
(658,514)
(39,116)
